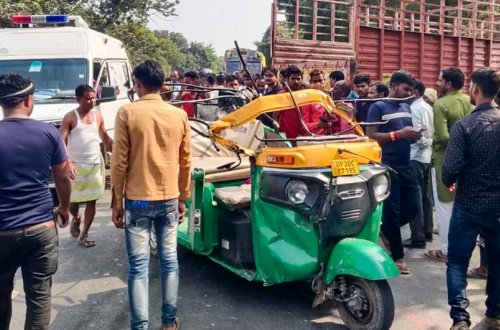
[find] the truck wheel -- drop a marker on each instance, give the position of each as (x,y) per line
(373,307)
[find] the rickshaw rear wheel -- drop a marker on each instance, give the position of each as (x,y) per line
(373,305)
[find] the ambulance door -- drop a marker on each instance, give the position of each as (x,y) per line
(117,74)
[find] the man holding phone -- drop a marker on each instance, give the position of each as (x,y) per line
(395,138)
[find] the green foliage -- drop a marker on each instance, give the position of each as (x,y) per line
(142,44)
(196,55)
(38,7)
(121,11)
(264,45)
(99,14)
(126,20)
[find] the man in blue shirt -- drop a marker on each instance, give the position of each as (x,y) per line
(28,237)
(472,163)
(395,138)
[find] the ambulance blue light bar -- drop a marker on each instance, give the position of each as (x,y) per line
(40,19)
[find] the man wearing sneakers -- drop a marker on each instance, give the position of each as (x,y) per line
(83,130)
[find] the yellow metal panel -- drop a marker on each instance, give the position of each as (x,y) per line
(321,155)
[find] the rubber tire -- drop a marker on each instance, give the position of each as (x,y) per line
(379,296)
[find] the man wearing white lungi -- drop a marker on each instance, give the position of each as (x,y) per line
(82,131)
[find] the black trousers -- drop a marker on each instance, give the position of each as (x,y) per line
(400,208)
(35,251)
(422,225)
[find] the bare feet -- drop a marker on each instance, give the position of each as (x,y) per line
(175,326)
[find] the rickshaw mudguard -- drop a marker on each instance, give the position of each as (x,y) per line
(361,258)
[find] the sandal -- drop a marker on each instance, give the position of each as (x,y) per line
(436,255)
(85,242)
(74,229)
(403,267)
(475,273)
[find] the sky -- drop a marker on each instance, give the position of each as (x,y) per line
(219,22)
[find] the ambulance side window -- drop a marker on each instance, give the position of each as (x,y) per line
(103,80)
(119,77)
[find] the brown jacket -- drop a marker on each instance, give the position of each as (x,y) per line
(151,157)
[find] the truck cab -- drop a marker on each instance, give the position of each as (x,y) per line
(60,52)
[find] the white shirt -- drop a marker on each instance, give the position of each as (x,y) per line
(422,118)
(84,142)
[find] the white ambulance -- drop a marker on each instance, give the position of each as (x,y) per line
(60,52)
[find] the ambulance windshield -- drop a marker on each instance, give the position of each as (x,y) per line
(55,79)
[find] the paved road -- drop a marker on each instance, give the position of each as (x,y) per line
(89,291)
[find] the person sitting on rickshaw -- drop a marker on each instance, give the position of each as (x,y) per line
(289,120)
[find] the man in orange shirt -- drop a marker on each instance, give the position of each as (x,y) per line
(150,168)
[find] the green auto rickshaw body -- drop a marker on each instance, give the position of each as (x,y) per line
(289,243)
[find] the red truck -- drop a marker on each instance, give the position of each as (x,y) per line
(380,36)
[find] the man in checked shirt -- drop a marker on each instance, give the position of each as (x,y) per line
(472,163)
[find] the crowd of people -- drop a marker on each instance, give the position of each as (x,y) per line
(442,149)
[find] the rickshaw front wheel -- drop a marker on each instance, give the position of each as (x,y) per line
(372,307)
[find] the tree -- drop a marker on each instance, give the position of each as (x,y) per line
(33,7)
(120,11)
(99,14)
(203,56)
(196,55)
(264,46)
(141,43)
(177,38)
(126,20)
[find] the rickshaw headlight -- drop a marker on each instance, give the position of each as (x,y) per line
(296,191)
(381,185)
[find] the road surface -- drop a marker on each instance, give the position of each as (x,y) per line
(90,292)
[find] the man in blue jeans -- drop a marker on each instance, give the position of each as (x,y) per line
(150,167)
(29,149)
(472,163)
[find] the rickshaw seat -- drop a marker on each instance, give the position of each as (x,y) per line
(234,197)
(210,164)
(239,174)
(213,174)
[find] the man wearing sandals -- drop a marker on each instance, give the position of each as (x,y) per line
(471,162)
(395,138)
(83,130)
(150,168)
(449,109)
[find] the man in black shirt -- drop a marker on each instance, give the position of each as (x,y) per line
(472,163)
(361,84)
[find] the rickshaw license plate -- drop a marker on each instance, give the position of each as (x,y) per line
(341,167)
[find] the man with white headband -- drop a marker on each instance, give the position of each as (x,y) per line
(28,238)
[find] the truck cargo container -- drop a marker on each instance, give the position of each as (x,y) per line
(380,36)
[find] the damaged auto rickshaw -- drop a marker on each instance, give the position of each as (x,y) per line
(276,210)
